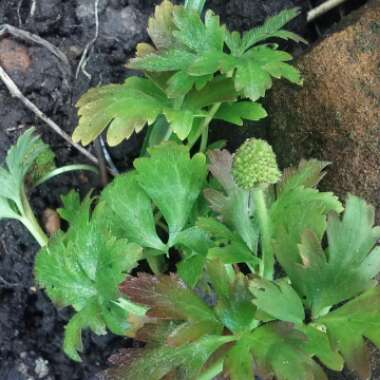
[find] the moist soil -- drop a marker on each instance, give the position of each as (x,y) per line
(31,328)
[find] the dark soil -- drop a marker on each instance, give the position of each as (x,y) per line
(31,328)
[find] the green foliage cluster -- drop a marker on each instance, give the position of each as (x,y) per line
(218,314)
(273,277)
(194,71)
(26,162)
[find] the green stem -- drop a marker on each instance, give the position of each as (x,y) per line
(203,130)
(30,222)
(66,169)
(267,257)
(204,140)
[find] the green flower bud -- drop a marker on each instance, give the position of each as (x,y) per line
(255,165)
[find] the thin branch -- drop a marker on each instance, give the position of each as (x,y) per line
(85,57)
(15,92)
(33,8)
(8,284)
(323,8)
(19,12)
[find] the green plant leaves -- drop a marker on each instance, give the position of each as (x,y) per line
(194,243)
(348,325)
(26,163)
(279,300)
(191,36)
(20,160)
(235,113)
(318,344)
(251,79)
(234,204)
(173,181)
(255,69)
(124,108)
(167,298)
(308,174)
(179,362)
(187,56)
(83,268)
(161,26)
(238,364)
(180,121)
(169,180)
(351,260)
(227,246)
(299,208)
(234,305)
(278,350)
(88,317)
(195,34)
(133,211)
(271,28)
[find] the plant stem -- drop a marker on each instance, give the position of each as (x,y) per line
(204,140)
(30,222)
(66,169)
(35,229)
(267,257)
(203,130)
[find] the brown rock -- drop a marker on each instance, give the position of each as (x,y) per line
(14,57)
(51,220)
(336,115)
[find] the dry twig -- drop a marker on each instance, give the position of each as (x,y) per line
(323,8)
(7,284)
(19,12)
(15,92)
(85,57)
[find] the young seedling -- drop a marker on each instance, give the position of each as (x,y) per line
(14,204)
(28,164)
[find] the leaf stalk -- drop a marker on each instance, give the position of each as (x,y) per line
(30,222)
(267,262)
(204,129)
(66,169)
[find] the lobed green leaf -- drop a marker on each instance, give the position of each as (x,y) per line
(173,181)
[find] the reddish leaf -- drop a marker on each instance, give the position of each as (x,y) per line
(167,297)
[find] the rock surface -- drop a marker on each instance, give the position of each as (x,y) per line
(336,115)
